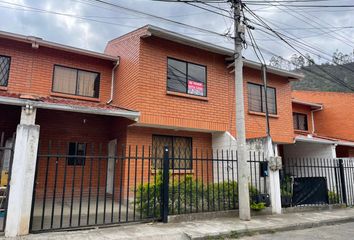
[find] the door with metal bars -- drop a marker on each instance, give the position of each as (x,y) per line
(80,184)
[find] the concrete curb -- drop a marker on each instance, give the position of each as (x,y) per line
(266,230)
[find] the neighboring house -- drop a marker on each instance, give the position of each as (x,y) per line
(70,89)
(323,125)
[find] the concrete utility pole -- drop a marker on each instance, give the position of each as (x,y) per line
(243,169)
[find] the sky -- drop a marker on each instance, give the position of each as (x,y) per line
(90,25)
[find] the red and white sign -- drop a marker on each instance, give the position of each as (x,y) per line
(195,88)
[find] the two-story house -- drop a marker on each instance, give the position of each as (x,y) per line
(184,91)
(151,88)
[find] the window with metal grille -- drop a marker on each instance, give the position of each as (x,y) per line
(300,121)
(185,77)
(256,99)
(77,153)
(75,81)
(180,151)
(4,70)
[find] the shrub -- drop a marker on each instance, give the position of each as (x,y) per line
(258,206)
(333,197)
(187,195)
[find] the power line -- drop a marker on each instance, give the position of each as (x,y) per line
(339,81)
(157,17)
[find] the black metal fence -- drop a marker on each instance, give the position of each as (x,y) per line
(97,185)
(317,181)
(6,156)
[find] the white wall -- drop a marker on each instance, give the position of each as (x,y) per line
(305,159)
(227,170)
(224,143)
(307,149)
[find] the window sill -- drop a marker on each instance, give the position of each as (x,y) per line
(301,131)
(176,171)
(185,95)
(63,95)
(2,88)
(263,114)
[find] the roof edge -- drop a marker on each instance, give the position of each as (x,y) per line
(183,39)
(315,105)
(40,42)
(133,115)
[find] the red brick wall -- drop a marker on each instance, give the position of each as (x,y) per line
(215,114)
(298,108)
(201,143)
(31,70)
(281,125)
(61,128)
(336,118)
(126,88)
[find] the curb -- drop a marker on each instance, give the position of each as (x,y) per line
(262,230)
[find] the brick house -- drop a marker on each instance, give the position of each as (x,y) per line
(151,88)
(323,125)
(152,60)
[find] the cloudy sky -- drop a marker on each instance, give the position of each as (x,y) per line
(89,24)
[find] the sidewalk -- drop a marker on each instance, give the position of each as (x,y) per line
(230,226)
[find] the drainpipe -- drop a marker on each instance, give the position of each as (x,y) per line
(313,120)
(112,82)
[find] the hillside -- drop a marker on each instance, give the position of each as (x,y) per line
(317,80)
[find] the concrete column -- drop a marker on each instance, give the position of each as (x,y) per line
(274,181)
(112,153)
(334,152)
(22,176)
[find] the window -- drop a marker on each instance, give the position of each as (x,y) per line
(300,121)
(185,77)
(256,99)
(4,70)
(75,151)
(180,151)
(76,82)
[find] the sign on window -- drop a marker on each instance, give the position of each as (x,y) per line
(195,88)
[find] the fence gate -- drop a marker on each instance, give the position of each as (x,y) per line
(81,185)
(6,157)
(317,181)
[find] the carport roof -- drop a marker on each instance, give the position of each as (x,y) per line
(69,105)
(323,140)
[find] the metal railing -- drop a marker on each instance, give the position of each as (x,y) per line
(96,188)
(317,181)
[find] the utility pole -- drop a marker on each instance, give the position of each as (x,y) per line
(243,169)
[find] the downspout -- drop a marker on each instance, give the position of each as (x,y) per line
(313,120)
(112,81)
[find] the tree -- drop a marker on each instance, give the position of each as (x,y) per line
(342,58)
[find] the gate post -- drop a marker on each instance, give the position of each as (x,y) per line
(342,181)
(165,180)
(22,175)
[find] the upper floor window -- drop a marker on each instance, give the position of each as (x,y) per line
(185,77)
(300,121)
(4,70)
(256,99)
(76,82)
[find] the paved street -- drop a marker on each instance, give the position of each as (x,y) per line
(338,232)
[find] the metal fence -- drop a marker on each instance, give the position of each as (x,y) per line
(100,185)
(6,156)
(317,181)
